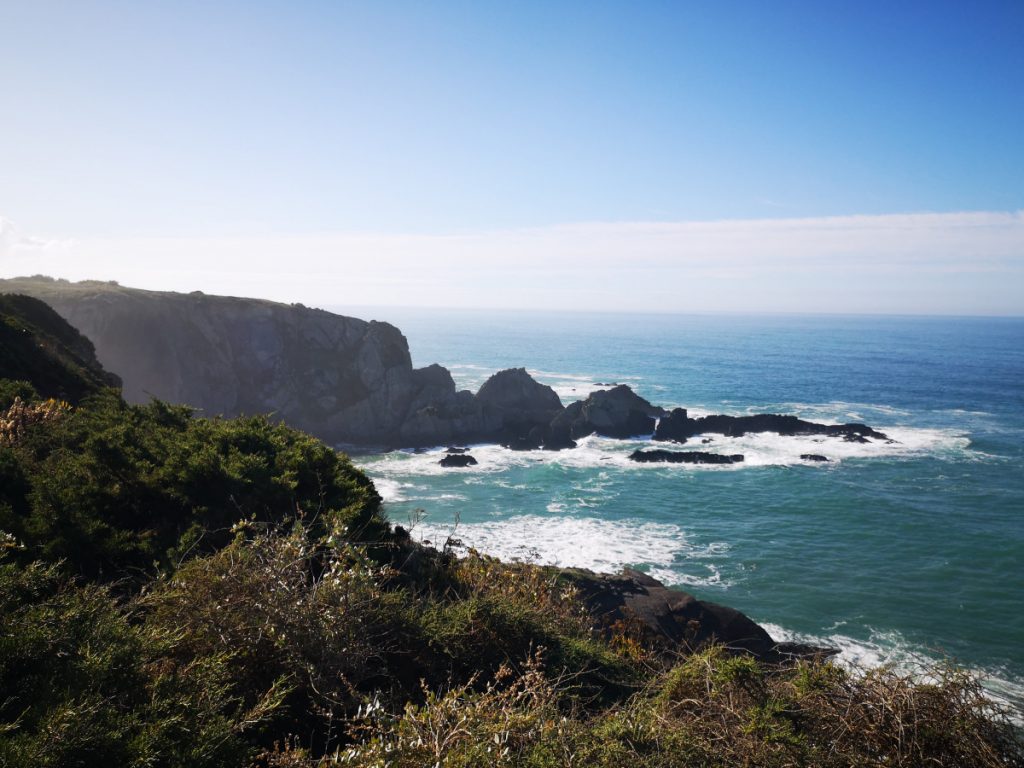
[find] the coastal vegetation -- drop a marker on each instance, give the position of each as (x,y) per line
(186,591)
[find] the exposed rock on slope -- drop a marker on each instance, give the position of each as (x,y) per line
(677,619)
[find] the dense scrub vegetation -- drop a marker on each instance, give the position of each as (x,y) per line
(177,591)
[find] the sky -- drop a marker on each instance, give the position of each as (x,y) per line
(644,156)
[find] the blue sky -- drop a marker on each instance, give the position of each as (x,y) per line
(370,128)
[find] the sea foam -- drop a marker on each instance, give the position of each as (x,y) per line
(661,549)
(759,450)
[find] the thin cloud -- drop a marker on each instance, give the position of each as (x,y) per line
(969,262)
(12,239)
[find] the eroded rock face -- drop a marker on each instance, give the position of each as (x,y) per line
(351,381)
(340,378)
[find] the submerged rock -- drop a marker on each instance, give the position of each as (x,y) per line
(684,457)
(457,460)
(814,457)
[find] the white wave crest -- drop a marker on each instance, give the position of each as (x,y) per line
(661,549)
(759,450)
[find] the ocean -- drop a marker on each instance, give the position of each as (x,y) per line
(892,553)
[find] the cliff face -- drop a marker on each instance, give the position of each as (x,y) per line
(340,378)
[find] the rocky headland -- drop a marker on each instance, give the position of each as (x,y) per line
(352,382)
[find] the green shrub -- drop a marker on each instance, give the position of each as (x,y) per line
(113,489)
(83,685)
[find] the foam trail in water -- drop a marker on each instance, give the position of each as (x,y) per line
(577,542)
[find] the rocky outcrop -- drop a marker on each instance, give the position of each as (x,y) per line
(813,457)
(674,427)
(352,381)
(678,426)
(684,457)
(343,379)
(521,407)
(616,412)
(458,460)
(675,619)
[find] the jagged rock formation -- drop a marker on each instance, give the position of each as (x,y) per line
(39,347)
(522,407)
(340,378)
(616,412)
(351,381)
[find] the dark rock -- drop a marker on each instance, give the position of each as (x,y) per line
(673,427)
(457,460)
(685,457)
(436,414)
(707,440)
(678,425)
(558,441)
(814,457)
(514,390)
(617,412)
(677,619)
(521,407)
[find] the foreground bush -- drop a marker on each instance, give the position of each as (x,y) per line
(284,649)
(711,710)
(85,685)
(116,490)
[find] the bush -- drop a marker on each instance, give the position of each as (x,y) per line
(83,685)
(113,489)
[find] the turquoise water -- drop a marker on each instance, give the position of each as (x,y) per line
(892,553)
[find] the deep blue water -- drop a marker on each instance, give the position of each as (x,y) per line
(890,552)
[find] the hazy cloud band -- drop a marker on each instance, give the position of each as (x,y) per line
(959,263)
